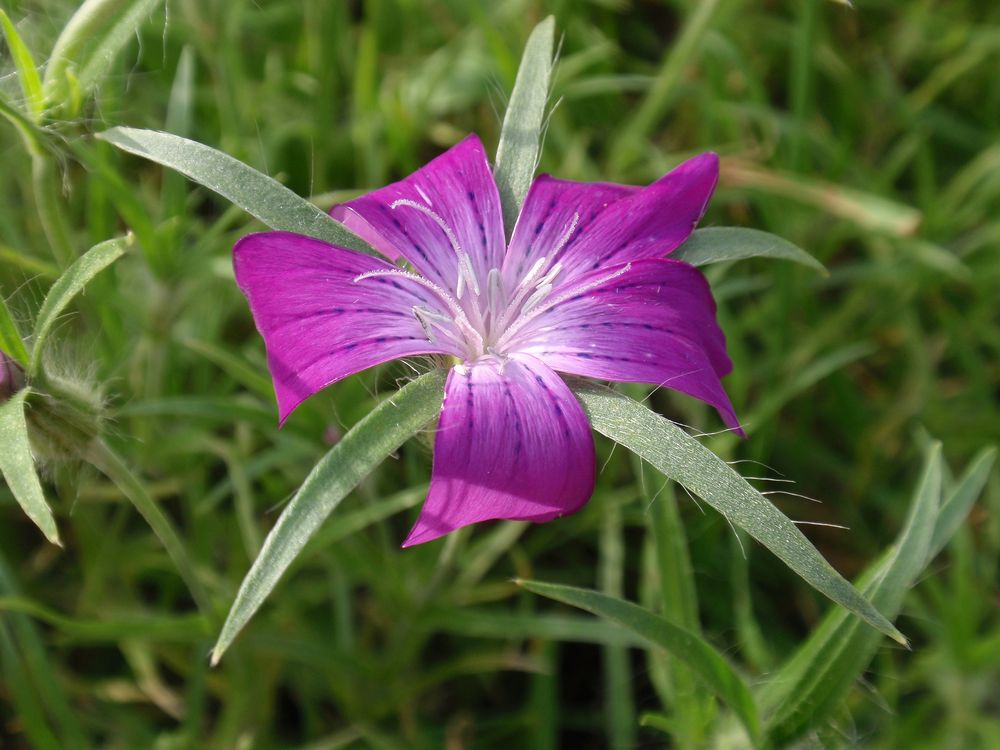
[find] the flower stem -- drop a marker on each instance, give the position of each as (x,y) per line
(114,468)
(49,205)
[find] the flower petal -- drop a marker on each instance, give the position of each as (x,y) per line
(513,442)
(319,324)
(549,212)
(458,187)
(651,321)
(615,223)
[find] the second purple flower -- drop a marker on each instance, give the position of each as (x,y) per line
(584,288)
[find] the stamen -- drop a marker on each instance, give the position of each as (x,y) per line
(544,285)
(466,273)
(540,293)
(550,277)
(424,195)
(430,320)
(533,271)
(524,319)
(494,290)
(566,236)
(472,336)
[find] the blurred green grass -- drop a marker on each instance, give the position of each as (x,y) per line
(868,137)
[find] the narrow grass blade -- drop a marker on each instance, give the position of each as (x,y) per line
(125,199)
(20,695)
(18,466)
(67,286)
(814,681)
(865,209)
(112,627)
(682,458)
(234,366)
(259,195)
(27,72)
(36,267)
(109,463)
(380,433)
(619,706)
(718,244)
(43,676)
(681,54)
(686,698)
(705,662)
(521,135)
(958,504)
(496,623)
(10,340)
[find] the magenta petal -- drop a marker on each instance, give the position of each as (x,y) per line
(512,443)
(458,187)
(549,211)
(652,321)
(318,323)
(615,223)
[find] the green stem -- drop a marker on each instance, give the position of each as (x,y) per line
(50,208)
(112,466)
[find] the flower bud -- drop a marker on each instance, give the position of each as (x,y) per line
(11,377)
(65,416)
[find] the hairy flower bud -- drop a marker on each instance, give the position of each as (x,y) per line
(11,377)
(65,417)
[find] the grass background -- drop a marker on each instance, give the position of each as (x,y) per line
(868,137)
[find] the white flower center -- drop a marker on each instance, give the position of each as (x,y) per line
(482,324)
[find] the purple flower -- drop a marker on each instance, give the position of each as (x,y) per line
(583,288)
(11,377)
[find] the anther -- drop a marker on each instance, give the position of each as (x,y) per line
(468,331)
(494,290)
(527,316)
(466,274)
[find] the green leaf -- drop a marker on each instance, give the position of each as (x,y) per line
(704,661)
(10,340)
(718,244)
(98,61)
(18,467)
(682,458)
(380,433)
(88,45)
(256,193)
(32,136)
(958,504)
(27,72)
(521,135)
(67,286)
(814,681)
